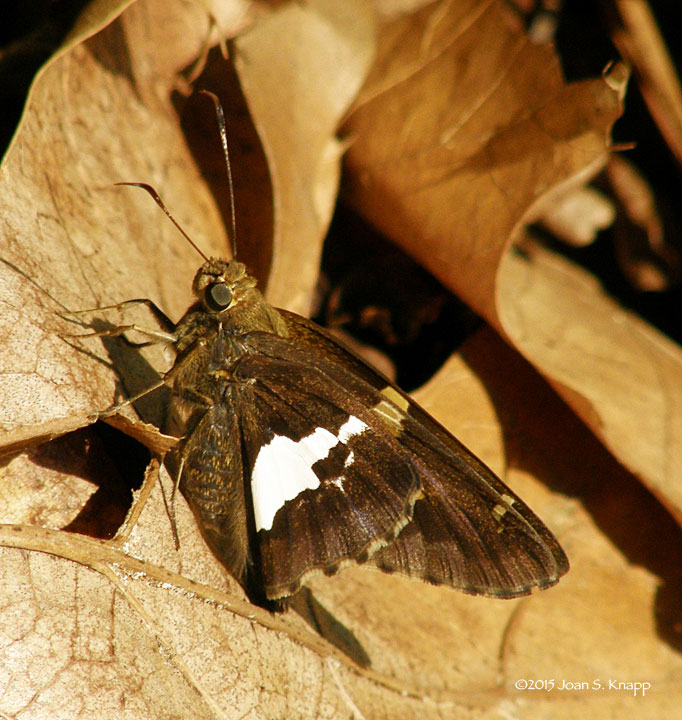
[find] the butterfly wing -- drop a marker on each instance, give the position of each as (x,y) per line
(331,464)
(468,530)
(327,486)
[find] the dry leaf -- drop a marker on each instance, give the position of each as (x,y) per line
(640,41)
(619,374)
(328,47)
(643,233)
(462,127)
(576,217)
(132,627)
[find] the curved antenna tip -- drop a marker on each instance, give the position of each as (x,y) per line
(223,140)
(161,204)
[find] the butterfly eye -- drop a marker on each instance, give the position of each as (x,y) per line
(218,296)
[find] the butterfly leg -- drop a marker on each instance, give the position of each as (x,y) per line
(165,335)
(164,321)
(171,506)
(113,409)
(158,335)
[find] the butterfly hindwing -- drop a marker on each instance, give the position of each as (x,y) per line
(211,470)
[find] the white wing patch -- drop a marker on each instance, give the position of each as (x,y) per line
(352,426)
(283,468)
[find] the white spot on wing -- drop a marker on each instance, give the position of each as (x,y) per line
(283,468)
(352,426)
(349,459)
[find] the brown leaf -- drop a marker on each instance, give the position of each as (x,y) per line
(462,127)
(635,33)
(296,109)
(138,636)
(621,376)
(135,628)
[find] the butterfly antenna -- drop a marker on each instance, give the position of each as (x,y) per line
(223,139)
(161,204)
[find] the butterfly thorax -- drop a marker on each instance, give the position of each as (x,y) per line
(213,334)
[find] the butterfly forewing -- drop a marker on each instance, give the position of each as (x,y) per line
(469,530)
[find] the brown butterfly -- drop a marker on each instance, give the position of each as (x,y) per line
(296,458)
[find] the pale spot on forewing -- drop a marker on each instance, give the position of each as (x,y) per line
(499,511)
(396,398)
(347,463)
(349,460)
(284,468)
(392,411)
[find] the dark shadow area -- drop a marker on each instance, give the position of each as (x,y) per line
(136,374)
(327,626)
(134,371)
(106,458)
(585,48)
(371,289)
(254,213)
(30,32)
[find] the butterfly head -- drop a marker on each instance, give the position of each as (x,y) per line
(220,285)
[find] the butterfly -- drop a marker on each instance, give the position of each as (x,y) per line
(296,457)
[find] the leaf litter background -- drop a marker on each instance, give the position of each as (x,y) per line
(462,132)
